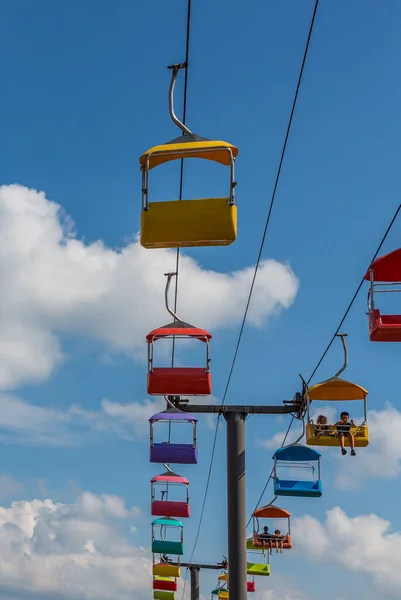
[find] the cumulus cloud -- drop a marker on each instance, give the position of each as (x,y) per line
(70,551)
(382,458)
(9,486)
(21,421)
(364,543)
(25,423)
(53,550)
(127,420)
(53,282)
(279,588)
(274,595)
(276,440)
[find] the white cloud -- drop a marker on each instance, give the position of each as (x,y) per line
(127,420)
(276,440)
(363,543)
(70,551)
(382,458)
(29,423)
(67,551)
(274,595)
(9,486)
(280,588)
(52,283)
(25,423)
(89,505)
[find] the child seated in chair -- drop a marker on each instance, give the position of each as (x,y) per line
(343,428)
(265,535)
(321,427)
(277,540)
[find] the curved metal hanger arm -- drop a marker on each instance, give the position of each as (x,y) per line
(342,336)
(175,69)
(170,310)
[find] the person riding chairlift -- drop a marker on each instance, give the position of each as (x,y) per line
(343,428)
(265,535)
(321,427)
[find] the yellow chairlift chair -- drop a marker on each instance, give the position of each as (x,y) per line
(185,223)
(336,390)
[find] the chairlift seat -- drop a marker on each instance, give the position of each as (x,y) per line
(361,436)
(166,570)
(179,381)
(260,569)
(162,595)
(258,542)
(250,586)
(167,547)
(384,328)
(249,544)
(165,583)
(189,223)
(172,509)
(183,454)
(308,489)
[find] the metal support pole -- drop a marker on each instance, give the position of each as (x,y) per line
(236,505)
(194,571)
(194,583)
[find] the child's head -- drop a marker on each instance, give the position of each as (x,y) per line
(265,529)
(277,532)
(344,416)
(322,420)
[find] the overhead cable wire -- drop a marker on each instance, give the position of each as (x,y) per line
(273,197)
(271,472)
(355,295)
(184,117)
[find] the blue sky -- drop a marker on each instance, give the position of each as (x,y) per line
(84,93)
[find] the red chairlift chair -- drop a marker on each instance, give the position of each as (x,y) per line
(385,271)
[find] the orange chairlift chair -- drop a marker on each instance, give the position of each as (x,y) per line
(184,223)
(261,541)
(385,272)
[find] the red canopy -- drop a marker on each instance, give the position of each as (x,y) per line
(387,267)
(178,328)
(170,479)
